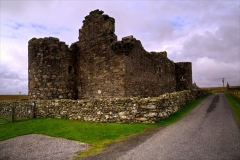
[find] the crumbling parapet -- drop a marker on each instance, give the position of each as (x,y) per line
(164,53)
(97,28)
(124,46)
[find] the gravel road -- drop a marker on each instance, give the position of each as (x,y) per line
(39,147)
(209,132)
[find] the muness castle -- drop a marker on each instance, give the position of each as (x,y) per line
(100,66)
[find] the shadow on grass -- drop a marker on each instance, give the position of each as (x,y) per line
(4,120)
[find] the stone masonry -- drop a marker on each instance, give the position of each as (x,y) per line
(120,110)
(100,66)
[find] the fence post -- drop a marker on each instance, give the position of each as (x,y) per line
(33,109)
(13,113)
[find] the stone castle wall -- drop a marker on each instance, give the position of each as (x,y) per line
(183,76)
(50,69)
(23,108)
(100,66)
(101,71)
(148,74)
(121,110)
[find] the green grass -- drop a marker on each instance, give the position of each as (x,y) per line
(235,104)
(235,94)
(4,120)
(96,134)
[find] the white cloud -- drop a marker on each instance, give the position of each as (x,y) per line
(207,33)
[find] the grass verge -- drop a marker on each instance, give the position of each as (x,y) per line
(235,104)
(96,134)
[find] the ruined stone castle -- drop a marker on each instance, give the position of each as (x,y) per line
(100,66)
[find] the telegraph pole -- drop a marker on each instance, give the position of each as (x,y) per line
(223,82)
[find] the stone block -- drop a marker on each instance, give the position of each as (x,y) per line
(142,119)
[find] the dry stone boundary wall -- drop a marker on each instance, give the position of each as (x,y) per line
(120,110)
(22,108)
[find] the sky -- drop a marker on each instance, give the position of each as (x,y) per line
(206,33)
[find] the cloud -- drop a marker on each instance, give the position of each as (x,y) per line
(12,24)
(12,82)
(211,74)
(205,33)
(222,45)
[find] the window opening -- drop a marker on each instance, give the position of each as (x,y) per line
(181,78)
(159,71)
(69,69)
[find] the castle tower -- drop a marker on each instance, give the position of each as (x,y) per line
(100,70)
(50,69)
(183,72)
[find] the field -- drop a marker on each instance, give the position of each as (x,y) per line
(235,94)
(221,89)
(13,97)
(233,90)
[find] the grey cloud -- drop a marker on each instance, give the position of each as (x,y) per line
(208,72)
(221,12)
(13,7)
(12,82)
(224,45)
(205,31)
(7,75)
(229,34)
